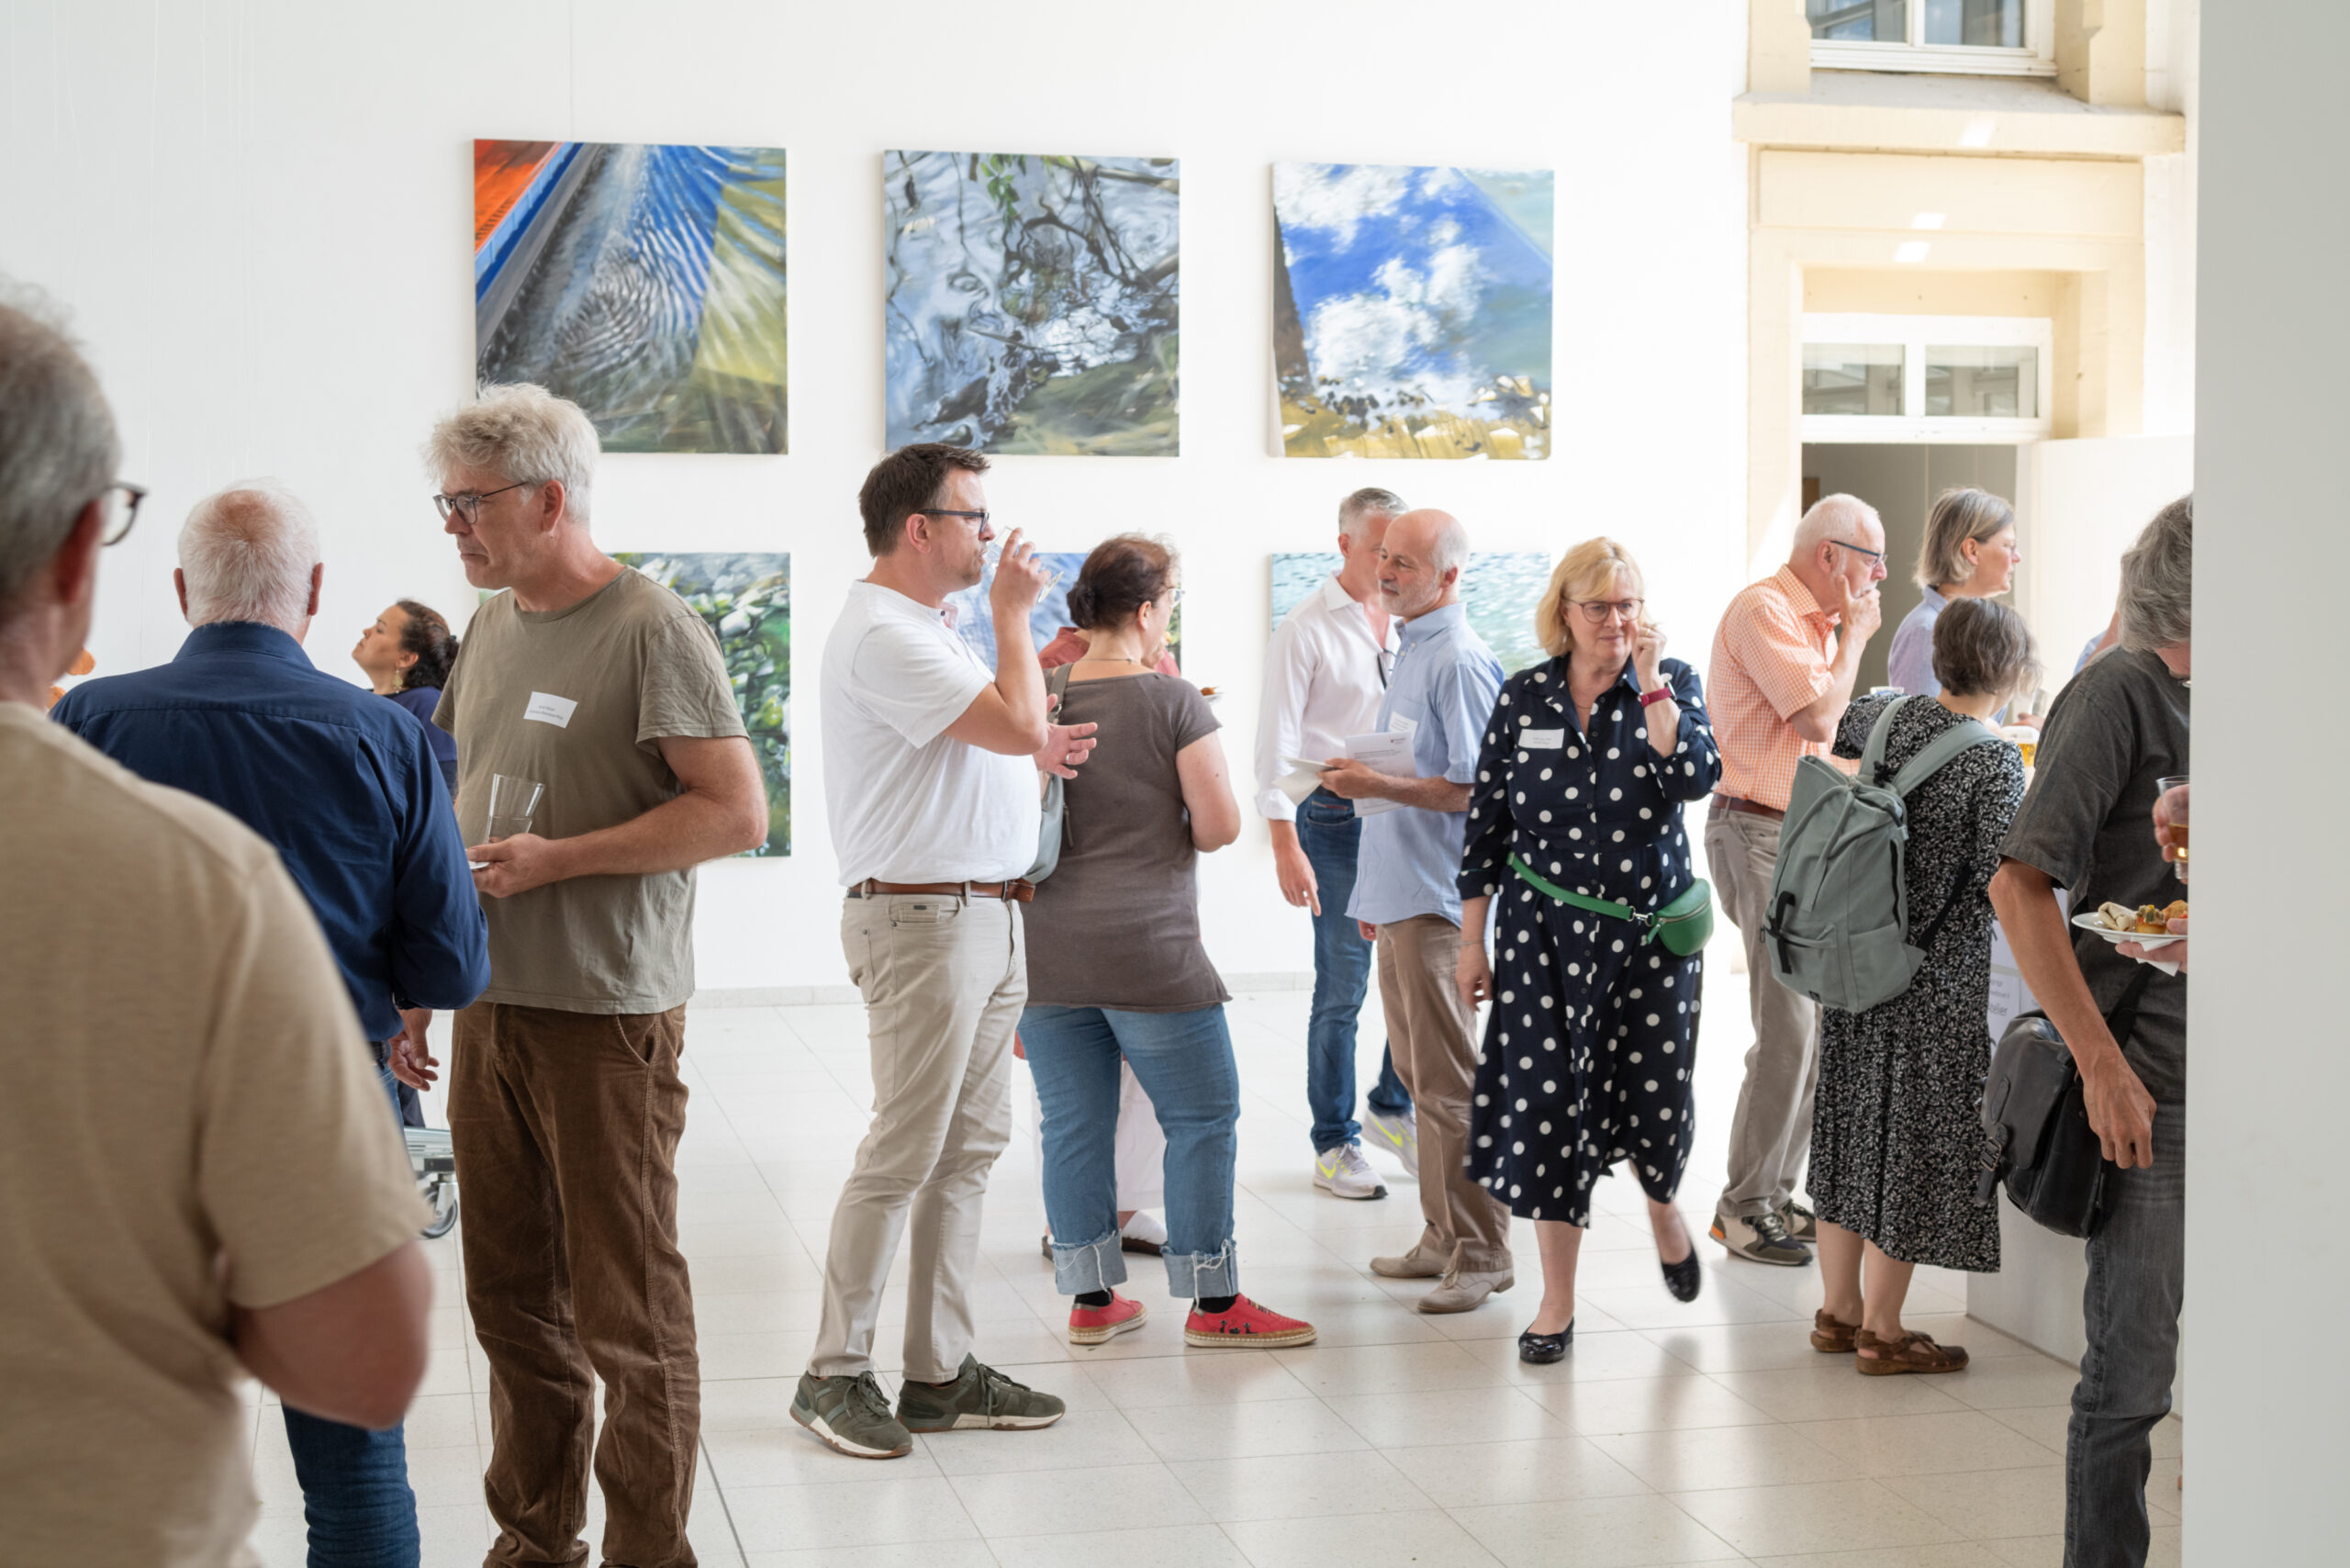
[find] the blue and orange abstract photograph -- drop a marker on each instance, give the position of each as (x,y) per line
(1412,310)
(645,283)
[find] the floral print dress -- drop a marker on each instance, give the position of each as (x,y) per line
(1592,1037)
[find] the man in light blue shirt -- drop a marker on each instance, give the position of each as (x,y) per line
(1407,900)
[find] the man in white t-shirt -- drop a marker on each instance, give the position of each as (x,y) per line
(931,787)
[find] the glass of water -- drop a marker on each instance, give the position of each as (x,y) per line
(513,803)
(993,553)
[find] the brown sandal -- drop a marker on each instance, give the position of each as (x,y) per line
(1831,1337)
(1913,1352)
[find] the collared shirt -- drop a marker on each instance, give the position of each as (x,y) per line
(1910,663)
(1442,692)
(342,782)
(1323,683)
(1771,658)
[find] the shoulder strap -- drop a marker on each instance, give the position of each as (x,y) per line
(1579,901)
(2123,1019)
(1057,682)
(1940,750)
(1873,754)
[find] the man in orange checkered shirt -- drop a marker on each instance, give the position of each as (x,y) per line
(1785,660)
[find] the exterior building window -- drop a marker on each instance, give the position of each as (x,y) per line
(1926,378)
(2012,37)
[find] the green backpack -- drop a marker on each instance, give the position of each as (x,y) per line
(1838,923)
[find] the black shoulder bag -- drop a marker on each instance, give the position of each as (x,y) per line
(2037,1141)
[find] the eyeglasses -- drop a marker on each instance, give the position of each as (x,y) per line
(119,530)
(948,512)
(1877,557)
(467,503)
(1598,612)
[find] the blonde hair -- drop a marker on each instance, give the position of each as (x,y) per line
(1582,571)
(1959,516)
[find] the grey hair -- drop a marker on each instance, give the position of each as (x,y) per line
(1827,516)
(1958,516)
(2158,581)
(57,445)
(1365,504)
(524,432)
(247,552)
(1450,548)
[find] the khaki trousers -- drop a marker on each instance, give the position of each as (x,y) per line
(1428,1029)
(566,1126)
(943,978)
(1771,1135)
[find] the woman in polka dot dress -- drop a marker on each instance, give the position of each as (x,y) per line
(1591,1040)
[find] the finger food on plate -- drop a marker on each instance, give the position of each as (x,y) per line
(2147,919)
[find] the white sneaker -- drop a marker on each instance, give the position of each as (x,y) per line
(1400,1136)
(1343,1173)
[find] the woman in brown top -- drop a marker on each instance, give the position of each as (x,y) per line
(1117,968)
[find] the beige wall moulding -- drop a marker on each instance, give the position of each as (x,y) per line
(1979,116)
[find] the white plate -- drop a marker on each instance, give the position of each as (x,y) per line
(2091,922)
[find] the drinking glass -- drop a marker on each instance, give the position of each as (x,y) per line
(2174,802)
(512,802)
(993,553)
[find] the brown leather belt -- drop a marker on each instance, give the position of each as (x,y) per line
(1016,889)
(1728,803)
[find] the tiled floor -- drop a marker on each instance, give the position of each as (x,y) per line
(1703,1433)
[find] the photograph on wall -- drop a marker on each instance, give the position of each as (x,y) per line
(643,282)
(746,599)
(1412,310)
(1500,589)
(1047,621)
(1029,302)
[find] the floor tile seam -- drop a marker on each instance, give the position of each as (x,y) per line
(718,1485)
(1453,1512)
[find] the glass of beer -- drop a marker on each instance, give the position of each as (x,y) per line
(513,803)
(2172,804)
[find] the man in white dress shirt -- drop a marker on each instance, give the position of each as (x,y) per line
(1323,676)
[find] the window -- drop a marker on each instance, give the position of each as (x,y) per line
(1925,379)
(1997,37)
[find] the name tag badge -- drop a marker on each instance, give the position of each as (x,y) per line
(548,709)
(1400,724)
(1542,740)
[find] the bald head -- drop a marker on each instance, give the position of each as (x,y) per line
(1840,539)
(251,552)
(1420,562)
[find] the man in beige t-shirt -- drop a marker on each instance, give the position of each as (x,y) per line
(564,1097)
(198,1178)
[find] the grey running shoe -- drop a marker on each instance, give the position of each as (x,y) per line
(1343,1172)
(980,1396)
(851,1413)
(1400,1136)
(1801,1223)
(1761,1240)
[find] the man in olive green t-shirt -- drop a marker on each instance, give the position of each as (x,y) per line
(565,1100)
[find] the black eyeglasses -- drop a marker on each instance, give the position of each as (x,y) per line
(467,503)
(949,511)
(119,530)
(1877,555)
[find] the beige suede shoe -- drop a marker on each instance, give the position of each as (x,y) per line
(1464,1292)
(1412,1265)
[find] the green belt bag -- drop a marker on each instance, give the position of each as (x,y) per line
(1682,925)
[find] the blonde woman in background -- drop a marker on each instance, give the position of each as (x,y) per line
(1970,552)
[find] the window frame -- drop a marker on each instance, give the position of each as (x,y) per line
(2036,58)
(1912,335)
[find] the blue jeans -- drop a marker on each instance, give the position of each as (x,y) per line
(355,1495)
(1329,833)
(2137,1283)
(1183,1061)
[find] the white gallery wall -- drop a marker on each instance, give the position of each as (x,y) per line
(260,214)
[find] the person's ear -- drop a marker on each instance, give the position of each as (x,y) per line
(73,570)
(553,495)
(179,586)
(318,582)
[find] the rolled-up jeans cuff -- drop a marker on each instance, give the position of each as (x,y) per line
(1191,1275)
(1093,1265)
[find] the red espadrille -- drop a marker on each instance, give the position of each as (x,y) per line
(1246,1326)
(1094,1325)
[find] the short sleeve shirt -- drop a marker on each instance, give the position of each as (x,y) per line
(579,699)
(1443,690)
(1770,660)
(190,1122)
(906,801)
(2087,823)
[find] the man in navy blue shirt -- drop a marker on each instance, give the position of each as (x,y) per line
(345,785)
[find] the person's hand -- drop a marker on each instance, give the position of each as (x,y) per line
(2121,1112)
(1299,887)
(1351,778)
(1066,748)
(516,864)
(411,1059)
(2166,818)
(1020,577)
(2029,721)
(1369,932)
(1647,654)
(2167,953)
(1474,972)
(1858,614)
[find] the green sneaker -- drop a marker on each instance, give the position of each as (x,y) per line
(980,1396)
(851,1413)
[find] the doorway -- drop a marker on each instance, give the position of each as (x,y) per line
(1901,481)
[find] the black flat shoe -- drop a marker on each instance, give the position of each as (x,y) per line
(1683,1278)
(1540,1349)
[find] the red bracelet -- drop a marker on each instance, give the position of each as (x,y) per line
(1660,694)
